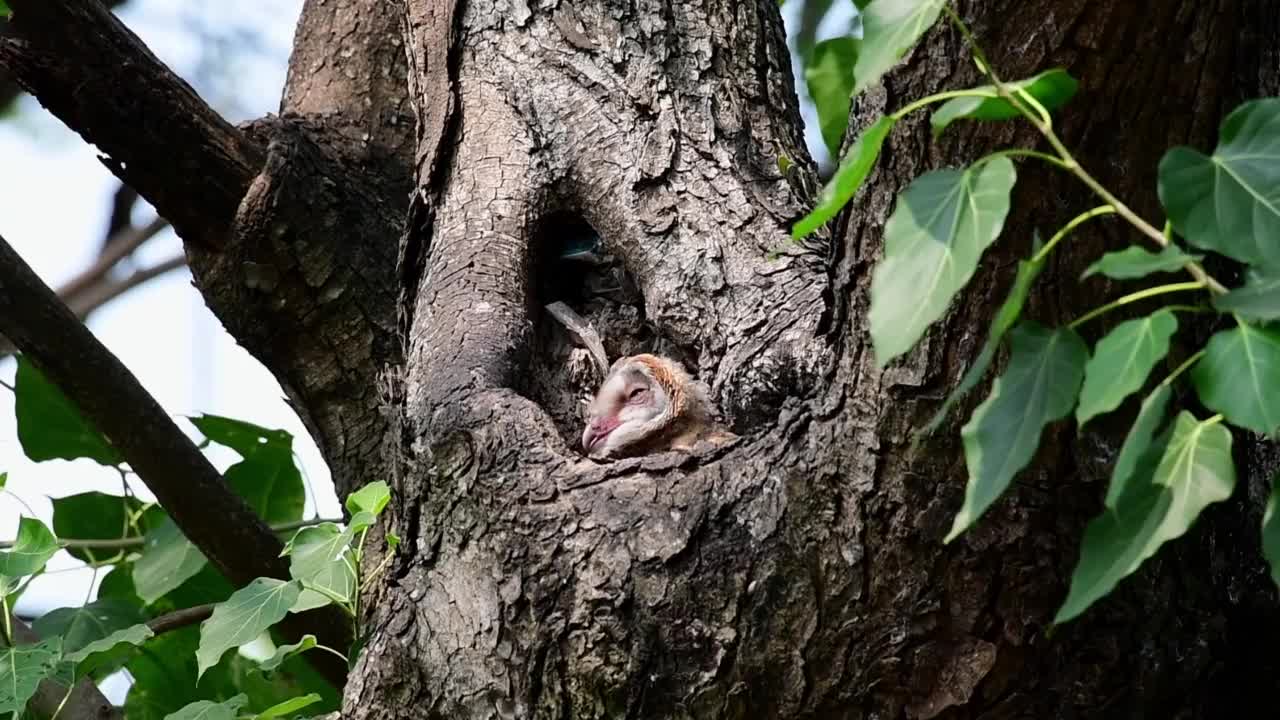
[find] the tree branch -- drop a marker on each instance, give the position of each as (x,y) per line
(105,292)
(128,543)
(180,618)
(86,701)
(161,138)
(215,519)
(120,245)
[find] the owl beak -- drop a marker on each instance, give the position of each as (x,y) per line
(597,430)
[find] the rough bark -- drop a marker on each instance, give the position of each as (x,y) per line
(392,277)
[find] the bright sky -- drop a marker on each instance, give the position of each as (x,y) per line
(54,200)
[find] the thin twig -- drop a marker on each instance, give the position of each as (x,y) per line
(180,618)
(127,543)
(97,296)
(124,243)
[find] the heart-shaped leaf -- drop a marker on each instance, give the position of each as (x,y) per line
(284,652)
(854,168)
(1051,88)
(1134,451)
(1038,387)
(1195,472)
(1121,362)
(1229,202)
(133,635)
(50,426)
(1238,377)
(1258,300)
(371,498)
(22,668)
(1136,262)
(942,224)
(1006,316)
(320,558)
(31,549)
(210,710)
(829,75)
(248,613)
(168,560)
(889,29)
(81,627)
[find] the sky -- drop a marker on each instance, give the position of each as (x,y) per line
(54,202)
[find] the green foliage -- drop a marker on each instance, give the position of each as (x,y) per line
(95,516)
(932,243)
(889,29)
(855,166)
(1052,89)
(247,614)
(133,635)
(288,707)
(1045,369)
(208,710)
(31,550)
(284,652)
(1135,453)
(1121,362)
(1258,300)
(829,77)
(1195,471)
(267,477)
(1229,202)
(50,427)
(1135,262)
(1010,311)
(1239,377)
(168,560)
(22,668)
(941,225)
(320,558)
(82,627)
(371,498)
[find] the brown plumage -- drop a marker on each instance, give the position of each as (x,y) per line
(648,404)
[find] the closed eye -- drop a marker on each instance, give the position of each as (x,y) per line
(635,394)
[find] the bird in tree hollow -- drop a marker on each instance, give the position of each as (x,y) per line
(649,404)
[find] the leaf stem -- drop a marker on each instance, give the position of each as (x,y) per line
(1043,124)
(1134,297)
(1214,420)
(1023,152)
(1066,230)
(939,97)
(328,649)
(1182,368)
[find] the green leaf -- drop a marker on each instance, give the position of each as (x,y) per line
(133,635)
(1238,377)
(31,550)
(1051,88)
(1271,531)
(1121,362)
(243,437)
(284,652)
(209,710)
(4,479)
(371,498)
(94,516)
(270,483)
(243,617)
(854,168)
(21,670)
(889,29)
(933,240)
(1258,300)
(1006,316)
(168,560)
(829,75)
(1136,444)
(50,427)
(4,10)
(1229,202)
(1195,472)
(320,558)
(80,627)
(1136,262)
(288,706)
(1039,387)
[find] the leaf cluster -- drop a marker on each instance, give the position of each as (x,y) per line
(1224,203)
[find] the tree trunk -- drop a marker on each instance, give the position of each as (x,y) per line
(393,275)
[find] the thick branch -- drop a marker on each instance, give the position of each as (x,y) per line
(161,138)
(215,519)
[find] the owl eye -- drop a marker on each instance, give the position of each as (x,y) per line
(635,393)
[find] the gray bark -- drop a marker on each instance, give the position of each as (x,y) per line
(394,283)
